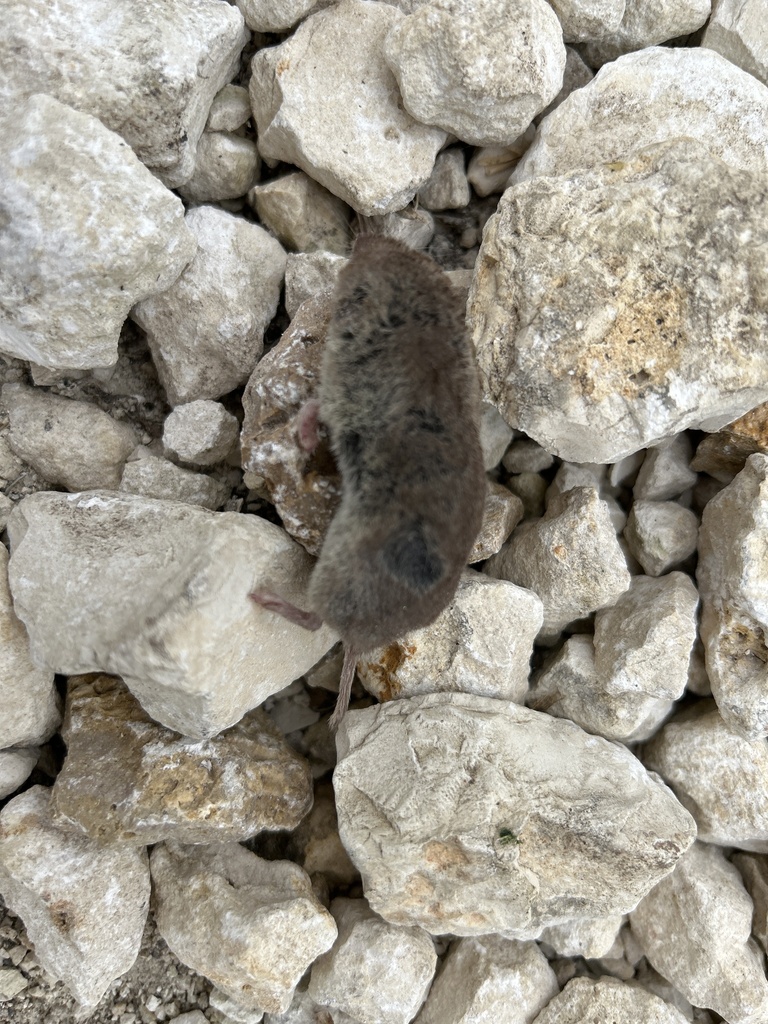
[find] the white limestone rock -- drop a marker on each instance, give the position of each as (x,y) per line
(73,444)
(738,30)
(29,704)
(574,474)
(576,75)
(308,274)
(83,903)
(753,869)
(202,433)
(585,19)
(664,93)
(155,477)
(482,643)
(375,971)
(719,776)
(72,266)
(584,1001)
(502,511)
(666,471)
(305,216)
(303,1010)
(661,534)
(479,70)
(148,70)
(490,978)
(630,345)
(483,832)
(694,927)
(447,187)
(15,768)
(273,15)
(731,573)
(157,593)
(646,23)
(250,926)
(570,558)
(230,110)
(226,166)
(326,101)
(587,937)
(206,331)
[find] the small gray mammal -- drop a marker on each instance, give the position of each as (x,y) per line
(400,398)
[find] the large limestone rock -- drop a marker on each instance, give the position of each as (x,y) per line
(88,231)
(584,1001)
(157,593)
(484,831)
(83,903)
(738,30)
(732,570)
(148,70)
(597,357)
(326,101)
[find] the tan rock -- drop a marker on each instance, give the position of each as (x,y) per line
(583,1001)
(503,511)
(303,215)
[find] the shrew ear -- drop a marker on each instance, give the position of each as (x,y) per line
(409,558)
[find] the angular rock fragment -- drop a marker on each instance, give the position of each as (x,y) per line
(230,110)
(71,269)
(503,511)
(583,1001)
(723,454)
(154,477)
(666,471)
(585,19)
(483,832)
(250,926)
(495,435)
(226,166)
(15,768)
(202,433)
(326,101)
(447,187)
(157,593)
(634,346)
(375,970)
(308,274)
(661,534)
(646,23)
(83,903)
(305,216)
(588,937)
(738,31)
(273,15)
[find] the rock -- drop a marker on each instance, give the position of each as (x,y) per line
(447,187)
(233,287)
(303,1010)
(250,926)
(29,703)
(72,269)
(309,274)
(723,454)
(202,433)
(694,928)
(588,937)
(526,456)
(577,74)
(754,873)
(413,226)
(490,978)
(83,903)
(607,999)
(230,110)
(570,558)
(530,489)
(661,534)
(586,19)
(666,93)
(157,593)
(73,444)
(274,15)
(495,435)
(645,24)
(6,507)
(485,832)
(148,70)
(305,216)
(596,364)
(737,30)
(154,477)
(666,471)
(226,166)
(503,511)
(317,845)
(15,768)
(12,983)
(375,971)
(479,71)
(731,575)
(716,774)
(482,643)
(326,101)
(127,779)
(574,474)
(490,166)
(231,1011)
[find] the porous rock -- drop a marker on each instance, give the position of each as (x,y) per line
(738,31)
(308,274)
(481,643)
(202,432)
(206,331)
(483,832)
(570,558)
(502,512)
(155,477)
(326,101)
(83,903)
(661,534)
(302,214)
(635,346)
(70,443)
(731,574)
(72,268)
(376,972)
(694,927)
(226,166)
(646,23)
(126,778)
(584,1001)
(16,767)
(157,593)
(478,70)
(250,926)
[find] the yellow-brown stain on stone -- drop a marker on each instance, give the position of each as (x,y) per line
(388,687)
(445,856)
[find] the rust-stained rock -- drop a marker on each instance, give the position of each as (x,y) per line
(723,454)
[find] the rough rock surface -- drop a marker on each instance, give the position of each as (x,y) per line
(304,215)
(694,927)
(660,534)
(646,23)
(754,872)
(483,832)
(502,512)
(479,70)
(226,166)
(206,331)
(326,101)
(71,269)
(587,937)
(157,593)
(635,346)
(273,15)
(155,477)
(731,574)
(201,433)
(249,925)
(307,275)
(738,31)
(83,903)
(375,971)
(584,1001)
(127,779)
(585,19)
(666,471)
